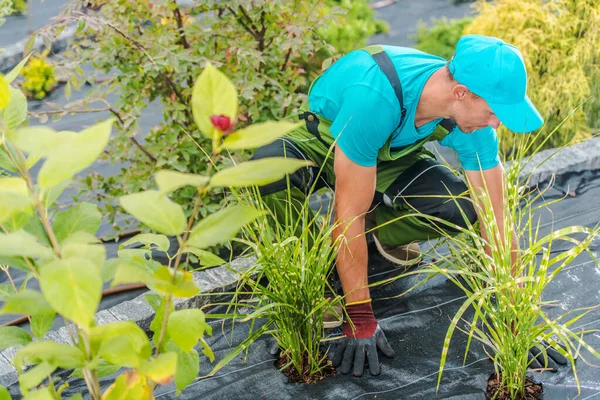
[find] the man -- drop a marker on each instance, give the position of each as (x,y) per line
(375,108)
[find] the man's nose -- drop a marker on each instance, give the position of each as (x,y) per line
(494,122)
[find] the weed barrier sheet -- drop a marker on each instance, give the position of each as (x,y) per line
(415,325)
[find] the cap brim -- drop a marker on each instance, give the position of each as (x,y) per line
(520,117)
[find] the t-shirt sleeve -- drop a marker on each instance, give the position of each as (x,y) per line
(364,123)
(474,149)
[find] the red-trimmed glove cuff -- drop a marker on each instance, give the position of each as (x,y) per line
(363,319)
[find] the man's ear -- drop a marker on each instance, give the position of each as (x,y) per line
(460,92)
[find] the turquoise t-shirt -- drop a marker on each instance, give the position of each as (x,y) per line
(359,100)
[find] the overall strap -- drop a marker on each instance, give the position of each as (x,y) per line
(387,67)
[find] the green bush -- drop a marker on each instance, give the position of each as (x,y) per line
(559,41)
(39,78)
(441,39)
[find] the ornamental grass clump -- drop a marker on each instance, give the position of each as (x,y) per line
(504,288)
(286,289)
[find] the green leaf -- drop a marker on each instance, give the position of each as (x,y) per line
(14,198)
(40,140)
(27,302)
(6,290)
(160,369)
(186,327)
(41,324)
(258,134)
(206,258)
(41,394)
(121,343)
(83,217)
(188,366)
(183,286)
(161,242)
(96,253)
(60,354)
(257,172)
(49,197)
(222,226)
(69,158)
(73,287)
(29,44)
(35,376)
(78,396)
(213,94)
(5,161)
(158,305)
(169,181)
(22,244)
(4,395)
(132,272)
(16,112)
(13,336)
(12,75)
(128,386)
(4,93)
(156,211)
(16,221)
(102,367)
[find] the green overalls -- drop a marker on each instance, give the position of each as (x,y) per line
(315,140)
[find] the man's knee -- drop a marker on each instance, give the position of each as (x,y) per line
(301,178)
(458,211)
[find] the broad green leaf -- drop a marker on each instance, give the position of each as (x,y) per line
(206,258)
(169,181)
(50,196)
(15,262)
(27,302)
(161,242)
(6,290)
(83,217)
(69,158)
(12,75)
(31,160)
(186,327)
(188,366)
(35,227)
(78,396)
(17,221)
(13,336)
(213,94)
(222,226)
(160,369)
(40,140)
(4,395)
(41,324)
(206,350)
(73,287)
(258,134)
(16,112)
(257,172)
(102,367)
(156,211)
(184,285)
(14,198)
(109,269)
(5,161)
(35,376)
(100,335)
(158,305)
(22,244)
(137,255)
(41,394)
(5,93)
(118,351)
(131,272)
(128,386)
(96,253)
(60,354)
(81,237)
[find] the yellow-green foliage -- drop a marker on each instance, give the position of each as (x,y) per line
(559,40)
(19,6)
(39,78)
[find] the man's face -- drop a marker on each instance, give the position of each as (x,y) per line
(472,113)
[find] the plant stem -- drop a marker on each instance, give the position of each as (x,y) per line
(186,234)
(163,327)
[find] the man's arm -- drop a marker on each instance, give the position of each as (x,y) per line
(354,190)
(492,180)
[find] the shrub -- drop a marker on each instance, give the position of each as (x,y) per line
(39,78)
(559,41)
(156,52)
(19,6)
(61,251)
(441,39)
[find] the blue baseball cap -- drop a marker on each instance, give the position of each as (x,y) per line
(495,71)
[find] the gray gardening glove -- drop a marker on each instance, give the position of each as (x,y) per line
(366,337)
(544,356)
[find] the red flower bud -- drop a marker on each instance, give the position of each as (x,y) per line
(221,122)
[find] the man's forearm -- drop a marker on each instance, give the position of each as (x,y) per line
(352,257)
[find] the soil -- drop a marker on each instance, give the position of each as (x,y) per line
(293,376)
(533,390)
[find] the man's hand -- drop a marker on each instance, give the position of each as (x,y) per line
(544,356)
(366,337)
